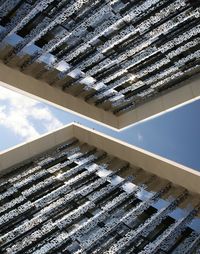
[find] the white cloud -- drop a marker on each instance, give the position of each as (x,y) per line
(17,113)
(18,123)
(49,120)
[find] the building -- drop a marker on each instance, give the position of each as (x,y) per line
(78,191)
(114,61)
(117,62)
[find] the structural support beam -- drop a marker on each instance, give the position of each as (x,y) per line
(19,81)
(137,157)
(14,79)
(187,93)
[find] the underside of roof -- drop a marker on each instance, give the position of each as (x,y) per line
(115,55)
(78,198)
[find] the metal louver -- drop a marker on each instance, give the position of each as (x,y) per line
(113,54)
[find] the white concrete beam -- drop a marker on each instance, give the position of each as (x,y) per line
(164,168)
(38,89)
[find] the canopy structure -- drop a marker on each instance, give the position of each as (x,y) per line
(117,62)
(78,191)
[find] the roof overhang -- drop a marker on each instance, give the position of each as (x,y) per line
(18,81)
(164,168)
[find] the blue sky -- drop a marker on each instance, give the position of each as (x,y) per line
(174,135)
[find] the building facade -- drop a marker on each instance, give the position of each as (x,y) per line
(117,62)
(114,61)
(66,194)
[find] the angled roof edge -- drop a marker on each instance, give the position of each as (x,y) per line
(167,169)
(168,101)
(18,81)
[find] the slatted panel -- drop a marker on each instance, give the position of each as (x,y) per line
(117,54)
(77,199)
